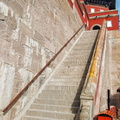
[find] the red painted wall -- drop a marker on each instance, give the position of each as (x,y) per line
(71,4)
(81,11)
(99,21)
(84,13)
(97,8)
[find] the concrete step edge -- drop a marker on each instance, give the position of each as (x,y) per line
(43,118)
(60,86)
(51,111)
(61,92)
(59,100)
(55,105)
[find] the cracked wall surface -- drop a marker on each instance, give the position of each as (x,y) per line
(31,32)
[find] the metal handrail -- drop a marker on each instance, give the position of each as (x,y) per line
(10,105)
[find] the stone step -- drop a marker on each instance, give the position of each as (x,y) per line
(83,47)
(64,83)
(73,73)
(67,76)
(70,71)
(83,52)
(55,108)
(86,39)
(79,62)
(89,34)
(67,63)
(75,68)
(38,118)
(50,114)
(56,87)
(65,80)
(57,102)
(70,68)
(60,92)
(77,56)
(59,96)
(83,41)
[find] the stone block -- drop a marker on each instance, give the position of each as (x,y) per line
(25,76)
(7,78)
(33,31)
(37,57)
(35,67)
(23,3)
(39,38)
(4,50)
(18,47)
(3,30)
(12,23)
(25,62)
(15,6)
(1,115)
(25,29)
(49,46)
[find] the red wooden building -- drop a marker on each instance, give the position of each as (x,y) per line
(92,13)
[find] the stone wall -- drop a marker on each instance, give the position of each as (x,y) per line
(111,74)
(114,43)
(106,84)
(31,32)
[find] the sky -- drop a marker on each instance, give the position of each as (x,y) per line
(118,6)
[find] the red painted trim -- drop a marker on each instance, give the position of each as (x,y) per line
(79,10)
(71,3)
(102,13)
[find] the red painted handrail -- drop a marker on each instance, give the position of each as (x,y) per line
(10,105)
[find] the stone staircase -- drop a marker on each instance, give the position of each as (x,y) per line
(60,98)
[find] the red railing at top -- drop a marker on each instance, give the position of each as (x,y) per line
(10,105)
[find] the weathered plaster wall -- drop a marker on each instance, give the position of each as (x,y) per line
(31,32)
(114,38)
(111,78)
(106,84)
